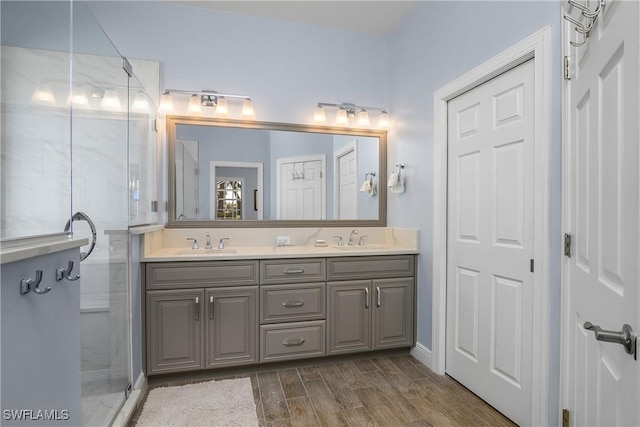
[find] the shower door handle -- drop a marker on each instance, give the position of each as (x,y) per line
(81,216)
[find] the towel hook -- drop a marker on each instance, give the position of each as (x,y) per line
(27,285)
(65,273)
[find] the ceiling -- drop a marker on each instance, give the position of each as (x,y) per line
(374,17)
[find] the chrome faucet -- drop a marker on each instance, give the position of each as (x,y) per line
(195,243)
(340,242)
(208,245)
(221,242)
(351,242)
(361,240)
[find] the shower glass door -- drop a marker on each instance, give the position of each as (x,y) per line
(100,189)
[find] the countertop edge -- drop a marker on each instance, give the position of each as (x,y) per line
(21,253)
(287,255)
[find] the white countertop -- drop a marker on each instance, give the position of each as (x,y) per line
(35,247)
(265,252)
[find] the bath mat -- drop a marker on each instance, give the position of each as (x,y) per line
(211,403)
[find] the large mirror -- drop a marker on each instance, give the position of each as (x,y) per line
(226,173)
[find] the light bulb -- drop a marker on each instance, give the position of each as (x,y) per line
(78,96)
(166,103)
(319,116)
(194,104)
(341,117)
(140,103)
(363,118)
(111,100)
(247,109)
(43,95)
(383,120)
(222,108)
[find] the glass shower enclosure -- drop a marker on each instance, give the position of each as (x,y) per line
(78,149)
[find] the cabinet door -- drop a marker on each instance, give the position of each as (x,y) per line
(393,313)
(232,326)
(349,316)
(174,330)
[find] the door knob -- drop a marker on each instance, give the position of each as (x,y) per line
(626,337)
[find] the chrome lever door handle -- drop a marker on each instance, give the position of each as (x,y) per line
(626,337)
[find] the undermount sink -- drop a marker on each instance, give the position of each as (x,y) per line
(205,252)
(362,247)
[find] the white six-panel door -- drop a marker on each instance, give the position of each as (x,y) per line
(301,189)
(490,240)
(348,193)
(600,380)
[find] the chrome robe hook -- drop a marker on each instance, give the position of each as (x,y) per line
(65,273)
(28,285)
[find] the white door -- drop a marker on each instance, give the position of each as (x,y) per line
(490,241)
(600,285)
(187,171)
(348,193)
(301,190)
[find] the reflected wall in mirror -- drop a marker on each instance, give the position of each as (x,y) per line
(258,174)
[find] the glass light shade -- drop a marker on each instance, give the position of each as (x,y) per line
(111,101)
(140,103)
(363,118)
(319,116)
(247,109)
(341,117)
(383,120)
(222,108)
(43,95)
(166,103)
(78,96)
(194,104)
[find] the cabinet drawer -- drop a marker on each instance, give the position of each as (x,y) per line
(292,341)
(374,267)
(292,270)
(167,275)
(288,303)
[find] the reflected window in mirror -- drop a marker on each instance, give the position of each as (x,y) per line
(229,198)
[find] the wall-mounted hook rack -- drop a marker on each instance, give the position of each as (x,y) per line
(591,16)
(400,165)
(30,285)
(65,273)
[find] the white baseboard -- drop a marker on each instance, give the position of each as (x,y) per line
(423,354)
(130,405)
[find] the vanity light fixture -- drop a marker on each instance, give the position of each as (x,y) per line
(140,103)
(194,104)
(347,111)
(43,95)
(111,100)
(207,98)
(77,97)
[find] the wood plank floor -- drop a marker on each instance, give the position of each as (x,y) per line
(394,390)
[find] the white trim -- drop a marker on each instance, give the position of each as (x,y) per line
(309,158)
(350,146)
(536,46)
(422,354)
(212,174)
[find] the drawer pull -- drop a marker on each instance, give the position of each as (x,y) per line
(289,343)
(294,271)
(293,303)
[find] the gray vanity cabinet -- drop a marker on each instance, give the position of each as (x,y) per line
(232,326)
(373,313)
(174,330)
(349,316)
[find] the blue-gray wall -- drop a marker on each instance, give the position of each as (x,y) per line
(436,43)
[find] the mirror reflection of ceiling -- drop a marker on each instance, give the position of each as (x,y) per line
(382,17)
(285,174)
